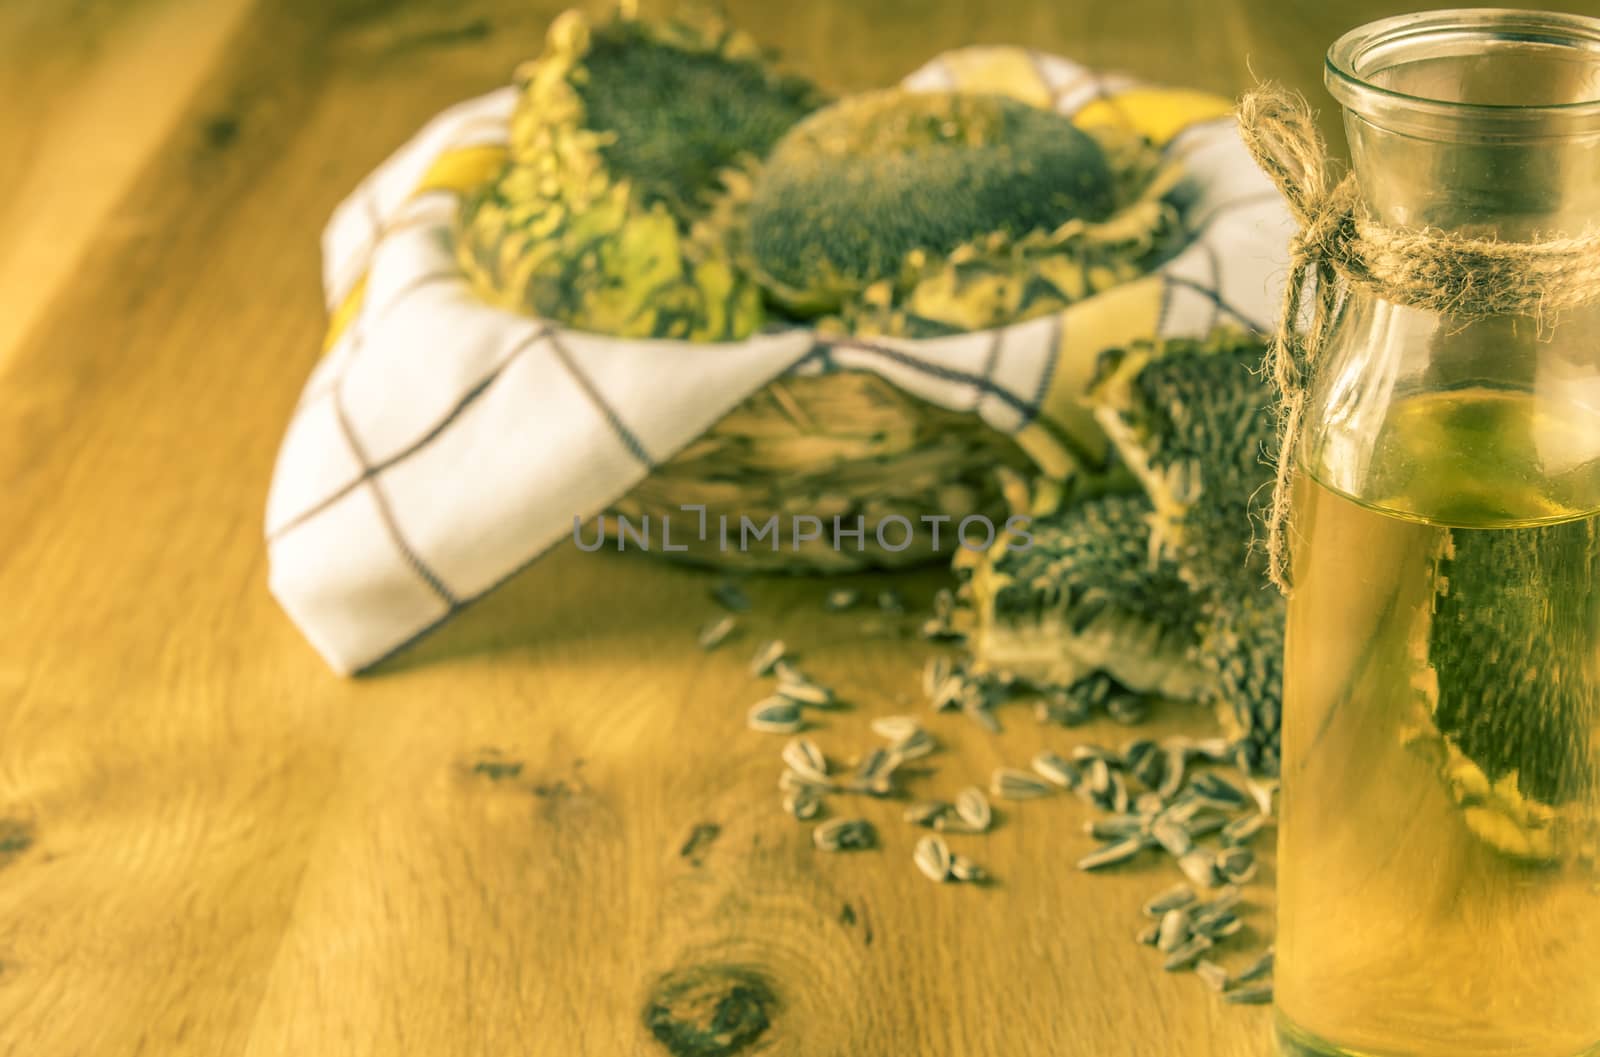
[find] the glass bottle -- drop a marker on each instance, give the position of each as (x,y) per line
(1438,894)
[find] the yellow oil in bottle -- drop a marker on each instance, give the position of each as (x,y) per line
(1437,888)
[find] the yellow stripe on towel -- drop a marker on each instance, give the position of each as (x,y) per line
(1158,114)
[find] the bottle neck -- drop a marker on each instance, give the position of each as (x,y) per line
(1515,191)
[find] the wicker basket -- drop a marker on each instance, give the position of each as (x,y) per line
(847,444)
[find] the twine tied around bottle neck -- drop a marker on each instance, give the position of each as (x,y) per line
(1339,247)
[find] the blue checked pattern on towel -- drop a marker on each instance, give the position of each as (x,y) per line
(441,444)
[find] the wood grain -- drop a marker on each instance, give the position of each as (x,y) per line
(544,828)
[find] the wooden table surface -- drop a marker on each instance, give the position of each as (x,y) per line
(547,819)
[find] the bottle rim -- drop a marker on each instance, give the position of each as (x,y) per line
(1356,58)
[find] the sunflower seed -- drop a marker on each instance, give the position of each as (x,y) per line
(880,786)
(1174,932)
(1148,935)
(1086,754)
(1219,791)
(1174,898)
(1205,823)
(1172,837)
(932,856)
(895,728)
(1200,867)
(775,715)
(803,804)
(1054,768)
(964,869)
(1262,793)
(1173,769)
(925,812)
(716,632)
(1117,828)
(879,763)
(1058,706)
(890,602)
(790,782)
(1237,865)
(948,696)
(1259,968)
(1009,783)
(935,670)
(766,657)
(1128,709)
(1098,775)
(1220,927)
(1186,955)
(731,597)
(1136,750)
(1212,975)
(1251,996)
(983,716)
(1148,805)
(840,599)
(844,834)
(806,760)
(973,807)
(1224,902)
(802,690)
(915,746)
(1112,854)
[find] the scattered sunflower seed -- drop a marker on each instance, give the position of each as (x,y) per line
(1224,902)
(1262,793)
(964,869)
(890,602)
(925,812)
(879,763)
(973,808)
(805,692)
(767,657)
(803,803)
(1173,768)
(1086,754)
(935,671)
(1186,955)
(1054,768)
(840,599)
(1217,750)
(949,694)
(1118,827)
(1149,935)
(1112,854)
(1120,799)
(1172,837)
(1257,969)
(1237,865)
(790,782)
(1200,867)
(1218,791)
(1128,709)
(915,746)
(1174,930)
(806,760)
(776,715)
(1251,996)
(1174,898)
(1098,775)
(1009,783)
(1148,805)
(717,632)
(1205,823)
(982,715)
(1059,706)
(731,597)
(879,786)
(1213,975)
(1242,830)
(1220,927)
(932,856)
(844,834)
(895,728)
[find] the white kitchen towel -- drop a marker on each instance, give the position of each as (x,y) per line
(442,444)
